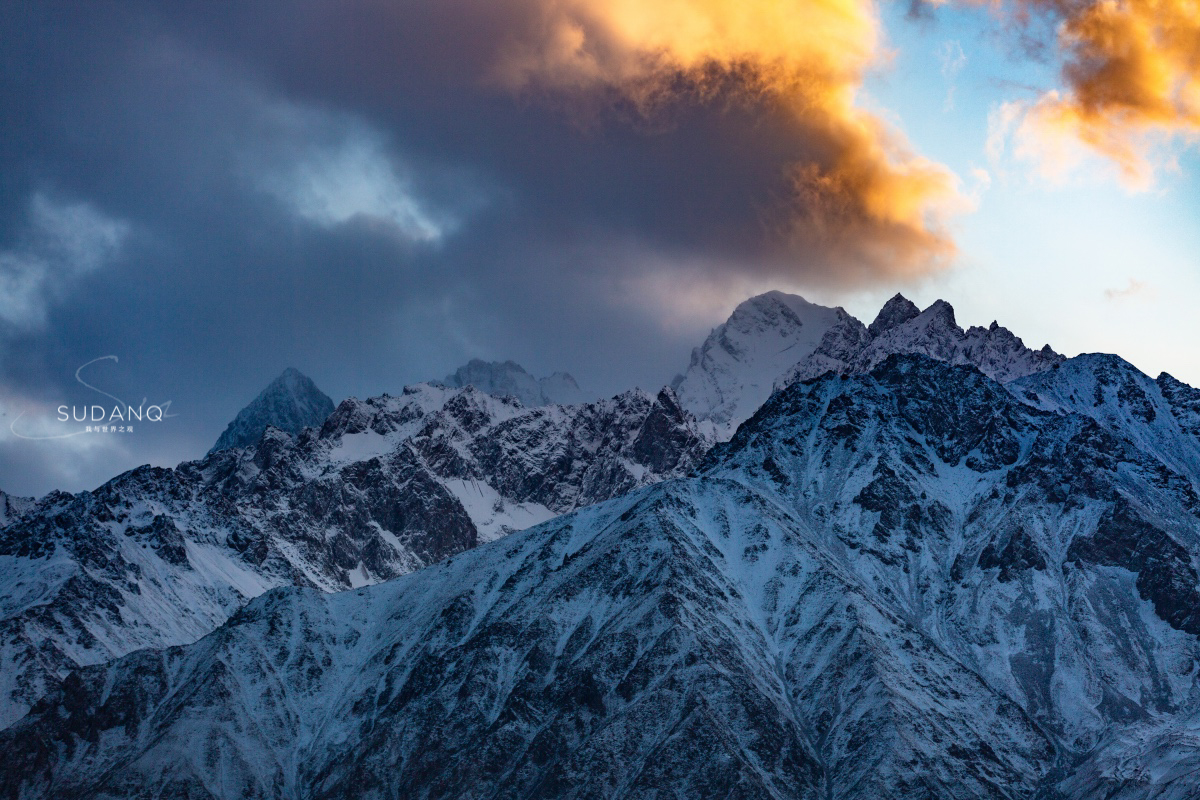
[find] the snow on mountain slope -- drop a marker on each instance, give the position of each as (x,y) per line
(291,402)
(1041,549)
(901,328)
(687,641)
(776,339)
(160,557)
(1153,416)
(1184,401)
(733,372)
(509,379)
(1158,761)
(902,584)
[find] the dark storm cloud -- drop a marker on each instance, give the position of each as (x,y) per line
(358,189)
(739,144)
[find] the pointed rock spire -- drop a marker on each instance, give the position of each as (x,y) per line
(291,403)
(896,311)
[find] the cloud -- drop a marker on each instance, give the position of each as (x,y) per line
(1134,288)
(953,60)
(858,202)
(345,173)
(61,243)
(1131,85)
(1019,131)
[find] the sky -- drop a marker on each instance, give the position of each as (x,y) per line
(201,194)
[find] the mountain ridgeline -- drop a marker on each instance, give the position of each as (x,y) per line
(509,379)
(159,557)
(944,566)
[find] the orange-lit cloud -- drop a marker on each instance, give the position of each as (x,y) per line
(856,198)
(1132,83)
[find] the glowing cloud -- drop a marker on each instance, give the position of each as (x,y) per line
(1132,74)
(856,199)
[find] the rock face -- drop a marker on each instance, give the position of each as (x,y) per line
(12,507)
(1155,416)
(776,339)
(291,403)
(913,582)
(160,557)
(901,328)
(509,379)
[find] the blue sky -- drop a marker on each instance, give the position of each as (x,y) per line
(1084,263)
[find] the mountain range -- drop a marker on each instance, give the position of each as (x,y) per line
(159,557)
(944,566)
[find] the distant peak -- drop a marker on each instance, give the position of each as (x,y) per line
(290,403)
(291,377)
(896,311)
(775,299)
(510,379)
(773,296)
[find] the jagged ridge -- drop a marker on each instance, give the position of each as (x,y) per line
(159,557)
(909,583)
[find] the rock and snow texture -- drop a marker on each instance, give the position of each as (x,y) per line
(12,507)
(909,583)
(509,379)
(160,557)
(291,403)
(1154,416)
(735,370)
(776,339)
(901,327)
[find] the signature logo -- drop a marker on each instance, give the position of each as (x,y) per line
(117,417)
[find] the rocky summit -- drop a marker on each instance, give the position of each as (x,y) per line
(775,339)
(509,379)
(291,403)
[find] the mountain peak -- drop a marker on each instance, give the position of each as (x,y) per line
(943,312)
(290,403)
(510,379)
(735,370)
(775,302)
(895,312)
(901,328)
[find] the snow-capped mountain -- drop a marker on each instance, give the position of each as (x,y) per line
(775,339)
(736,368)
(291,403)
(901,327)
(1160,416)
(509,379)
(907,583)
(160,557)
